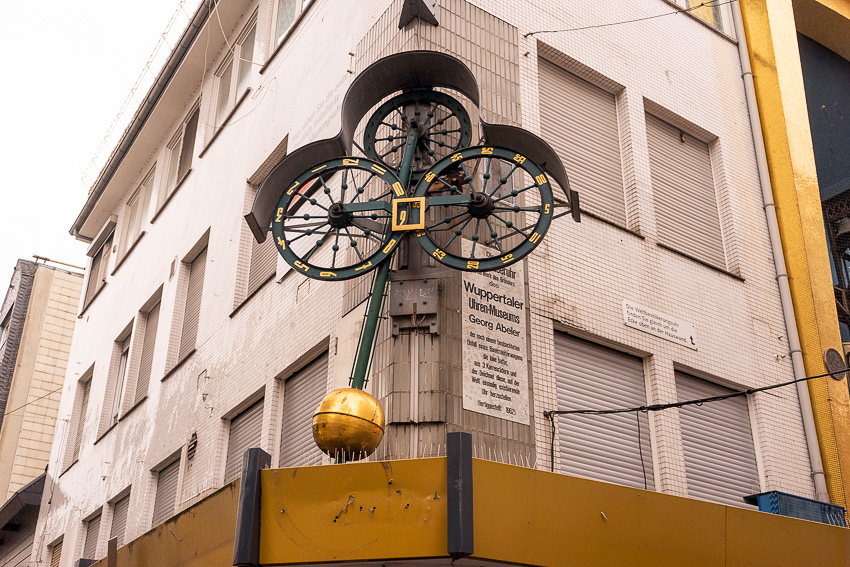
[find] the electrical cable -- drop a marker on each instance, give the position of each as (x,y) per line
(32,402)
(640,450)
(709,4)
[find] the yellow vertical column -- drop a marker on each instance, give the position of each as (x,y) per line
(777,75)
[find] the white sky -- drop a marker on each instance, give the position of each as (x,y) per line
(67,68)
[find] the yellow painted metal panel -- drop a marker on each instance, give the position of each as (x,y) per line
(539,518)
(201,536)
(354,512)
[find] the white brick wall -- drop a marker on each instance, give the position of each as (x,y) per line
(579,275)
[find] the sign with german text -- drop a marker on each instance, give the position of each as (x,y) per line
(659,324)
(495,344)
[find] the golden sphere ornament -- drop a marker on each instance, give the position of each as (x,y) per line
(348,424)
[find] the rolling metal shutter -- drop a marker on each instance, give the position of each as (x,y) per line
(720,459)
(92,531)
(193,305)
(56,554)
(685,197)
(579,120)
(601,447)
(81,420)
(302,394)
(245,430)
(146,362)
(263,263)
(119,519)
(166,493)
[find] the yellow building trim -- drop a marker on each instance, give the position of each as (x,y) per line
(771,34)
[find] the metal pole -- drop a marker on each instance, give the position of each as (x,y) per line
(376,300)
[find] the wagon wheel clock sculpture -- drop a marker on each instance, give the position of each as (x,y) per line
(335,216)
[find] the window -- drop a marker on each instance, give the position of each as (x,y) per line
(301,395)
(92,532)
(287,13)
(119,519)
(705,11)
(192,309)
(245,430)
(6,326)
(263,263)
(98,269)
(135,213)
(146,362)
(55,553)
(180,152)
(78,418)
(579,119)
(684,191)
(720,458)
(614,447)
(234,73)
(121,361)
(165,498)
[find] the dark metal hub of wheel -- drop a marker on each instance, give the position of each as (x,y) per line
(337,217)
(481,205)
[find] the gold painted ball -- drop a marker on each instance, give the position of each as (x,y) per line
(349,424)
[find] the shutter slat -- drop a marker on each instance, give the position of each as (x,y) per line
(720,459)
(579,120)
(166,493)
(263,263)
(81,420)
(684,192)
(143,381)
(193,305)
(92,530)
(119,519)
(56,554)
(601,447)
(245,432)
(302,394)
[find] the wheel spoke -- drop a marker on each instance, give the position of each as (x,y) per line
(296,227)
(353,244)
(291,240)
(458,232)
(335,250)
(492,232)
(362,188)
(475,240)
(445,221)
(327,190)
(509,195)
(517,209)
(510,225)
(506,177)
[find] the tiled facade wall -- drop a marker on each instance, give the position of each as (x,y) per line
(578,276)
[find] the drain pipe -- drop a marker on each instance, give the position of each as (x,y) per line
(779,260)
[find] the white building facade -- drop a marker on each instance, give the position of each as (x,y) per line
(194,342)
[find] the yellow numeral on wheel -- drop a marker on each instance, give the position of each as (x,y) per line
(419,233)
(547,208)
(351,161)
(304,267)
(279,214)
(281,243)
(429,177)
(507,258)
(541,179)
(456,157)
(438,254)
(292,189)
(472,265)
(399,190)
(364,266)
(519,158)
(534,238)
(327,275)
(487,151)
(378,168)
(320,168)
(389,246)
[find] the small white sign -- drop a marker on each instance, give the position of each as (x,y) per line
(659,324)
(495,344)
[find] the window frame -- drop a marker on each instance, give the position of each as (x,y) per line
(279,34)
(136,219)
(175,172)
(237,82)
(120,378)
(100,253)
(78,418)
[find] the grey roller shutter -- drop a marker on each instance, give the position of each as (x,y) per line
(601,447)
(263,263)
(579,120)
(192,312)
(720,459)
(142,383)
(245,431)
(685,196)
(81,420)
(301,396)
(119,519)
(166,493)
(56,554)
(92,531)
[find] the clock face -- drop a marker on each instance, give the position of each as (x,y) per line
(835,363)
(496,198)
(335,221)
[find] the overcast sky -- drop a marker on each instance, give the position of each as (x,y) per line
(67,68)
